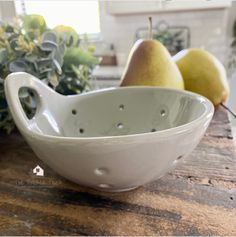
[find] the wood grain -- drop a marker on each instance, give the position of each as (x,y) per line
(197,198)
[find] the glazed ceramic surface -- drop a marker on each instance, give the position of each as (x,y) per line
(113,139)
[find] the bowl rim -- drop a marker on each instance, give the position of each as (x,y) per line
(208,113)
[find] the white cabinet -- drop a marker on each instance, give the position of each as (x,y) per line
(133,7)
(178,5)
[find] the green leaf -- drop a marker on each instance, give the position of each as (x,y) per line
(34,22)
(76,56)
(45,70)
(62,48)
(48,45)
(50,36)
(18,66)
(3,55)
(67,34)
(13,44)
(53,79)
(31,102)
(23,93)
(31,58)
(57,66)
(44,62)
(9,29)
(56,55)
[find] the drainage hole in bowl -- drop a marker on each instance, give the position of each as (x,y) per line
(74,111)
(121,107)
(101,171)
(179,157)
(163,112)
(153,130)
(81,130)
(104,185)
(120,125)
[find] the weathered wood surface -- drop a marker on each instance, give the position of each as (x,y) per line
(198,198)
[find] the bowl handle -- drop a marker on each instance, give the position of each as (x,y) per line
(13,83)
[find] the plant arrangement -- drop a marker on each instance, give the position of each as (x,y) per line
(169,39)
(56,56)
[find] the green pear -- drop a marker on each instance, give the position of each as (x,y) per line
(204,74)
(150,64)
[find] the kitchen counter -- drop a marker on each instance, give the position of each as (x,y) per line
(197,198)
(107,76)
(108,72)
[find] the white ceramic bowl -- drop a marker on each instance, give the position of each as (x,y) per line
(114,139)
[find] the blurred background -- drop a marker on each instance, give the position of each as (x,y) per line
(113,27)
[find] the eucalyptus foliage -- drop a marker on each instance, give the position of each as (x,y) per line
(55,56)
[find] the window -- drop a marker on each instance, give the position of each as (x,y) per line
(83,16)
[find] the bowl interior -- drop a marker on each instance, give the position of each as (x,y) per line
(121,111)
(118,111)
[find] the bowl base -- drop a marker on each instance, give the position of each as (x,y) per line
(115,190)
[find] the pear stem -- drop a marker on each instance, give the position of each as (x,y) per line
(228,109)
(150,27)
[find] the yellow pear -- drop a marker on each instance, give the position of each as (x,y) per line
(203,73)
(150,64)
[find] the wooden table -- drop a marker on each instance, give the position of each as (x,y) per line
(198,198)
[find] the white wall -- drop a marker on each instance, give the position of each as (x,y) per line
(208,28)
